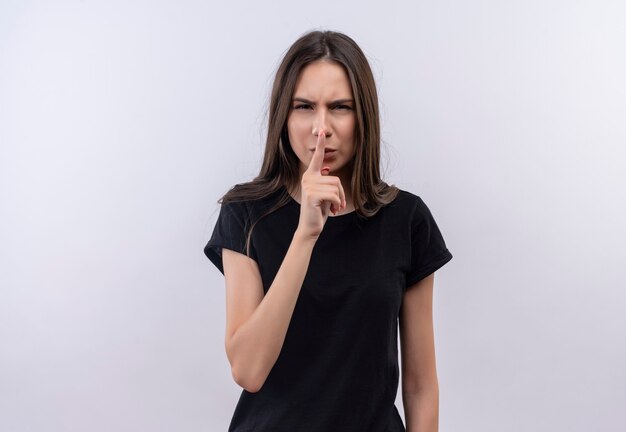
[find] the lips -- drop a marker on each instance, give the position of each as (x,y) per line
(325,150)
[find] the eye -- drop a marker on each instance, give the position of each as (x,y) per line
(343,107)
(302,106)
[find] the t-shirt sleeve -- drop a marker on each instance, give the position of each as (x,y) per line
(428,248)
(230,232)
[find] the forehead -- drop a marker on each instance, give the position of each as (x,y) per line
(323,79)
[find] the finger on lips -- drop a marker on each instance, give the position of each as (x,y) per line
(318,155)
(317,161)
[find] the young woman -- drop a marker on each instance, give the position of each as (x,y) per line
(322,259)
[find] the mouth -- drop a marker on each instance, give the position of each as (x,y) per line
(325,150)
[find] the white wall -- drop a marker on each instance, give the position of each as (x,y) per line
(122,122)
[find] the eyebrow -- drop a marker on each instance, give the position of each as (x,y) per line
(335,102)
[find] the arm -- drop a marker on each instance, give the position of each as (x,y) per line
(257,324)
(420,387)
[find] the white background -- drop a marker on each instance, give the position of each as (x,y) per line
(122,122)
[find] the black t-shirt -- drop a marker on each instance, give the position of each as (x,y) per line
(338,366)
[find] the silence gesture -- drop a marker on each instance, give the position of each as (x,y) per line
(321,192)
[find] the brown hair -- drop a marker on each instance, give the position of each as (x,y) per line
(281,165)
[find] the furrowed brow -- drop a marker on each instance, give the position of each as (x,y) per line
(335,102)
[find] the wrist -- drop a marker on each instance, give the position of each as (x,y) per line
(303,237)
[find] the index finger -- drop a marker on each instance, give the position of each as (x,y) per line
(318,155)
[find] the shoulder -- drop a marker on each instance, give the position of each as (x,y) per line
(409,202)
(250,200)
(412,206)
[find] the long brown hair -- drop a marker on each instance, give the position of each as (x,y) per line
(281,165)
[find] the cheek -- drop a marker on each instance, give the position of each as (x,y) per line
(347,125)
(297,135)
(298,127)
(348,133)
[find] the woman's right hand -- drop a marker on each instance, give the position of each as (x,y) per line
(320,193)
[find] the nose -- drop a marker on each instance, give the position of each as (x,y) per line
(321,123)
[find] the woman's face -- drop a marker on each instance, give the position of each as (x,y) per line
(323,100)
